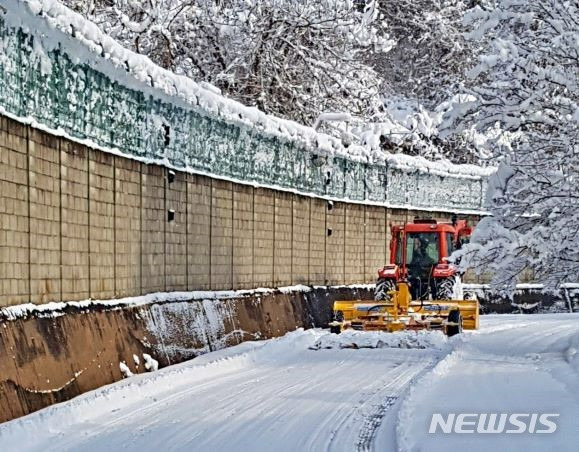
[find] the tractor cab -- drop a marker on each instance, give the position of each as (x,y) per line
(418,255)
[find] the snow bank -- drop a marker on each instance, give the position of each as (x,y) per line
(54,309)
(378,339)
(280,395)
(439,167)
(132,393)
(129,394)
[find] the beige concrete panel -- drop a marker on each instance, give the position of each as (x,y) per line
(127,227)
(317,239)
(75,220)
(263,237)
(44,196)
(176,234)
(243,237)
(355,244)
(221,235)
(153,220)
(375,241)
(335,244)
(199,232)
(102,225)
(13,135)
(14,222)
(282,247)
(301,240)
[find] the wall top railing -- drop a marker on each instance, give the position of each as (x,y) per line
(61,73)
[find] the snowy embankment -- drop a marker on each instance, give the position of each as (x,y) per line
(56,309)
(310,390)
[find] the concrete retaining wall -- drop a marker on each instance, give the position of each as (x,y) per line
(77,223)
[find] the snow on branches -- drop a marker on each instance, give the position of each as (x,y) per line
(387,65)
(295,59)
(431,53)
(525,96)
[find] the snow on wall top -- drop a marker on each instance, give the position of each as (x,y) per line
(63,19)
(110,97)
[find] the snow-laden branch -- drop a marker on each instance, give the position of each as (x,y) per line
(526,85)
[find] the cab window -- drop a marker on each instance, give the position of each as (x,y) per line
(398,260)
(449,243)
(422,248)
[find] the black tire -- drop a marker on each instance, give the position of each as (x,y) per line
(454,317)
(445,287)
(335,329)
(470,295)
(383,286)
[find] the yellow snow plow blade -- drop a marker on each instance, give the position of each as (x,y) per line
(402,313)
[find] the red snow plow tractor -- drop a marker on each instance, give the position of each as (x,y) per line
(419,289)
(418,255)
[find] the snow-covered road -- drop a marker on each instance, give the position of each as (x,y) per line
(307,392)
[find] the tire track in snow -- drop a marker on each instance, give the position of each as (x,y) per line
(373,409)
(371,424)
(149,407)
(400,384)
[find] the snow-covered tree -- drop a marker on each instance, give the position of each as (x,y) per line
(295,59)
(385,64)
(525,97)
(420,76)
(431,54)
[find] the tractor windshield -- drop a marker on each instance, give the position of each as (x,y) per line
(422,249)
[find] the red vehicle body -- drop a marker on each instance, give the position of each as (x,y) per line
(418,255)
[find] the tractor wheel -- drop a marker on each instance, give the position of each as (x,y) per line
(335,329)
(454,317)
(448,288)
(383,286)
(470,295)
